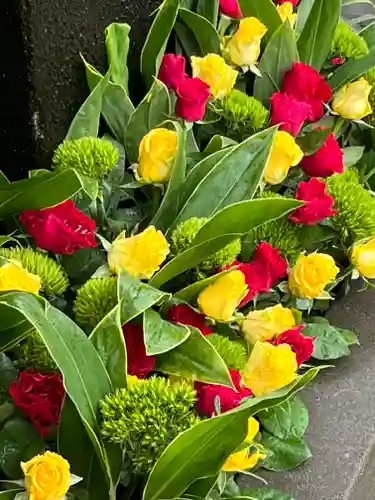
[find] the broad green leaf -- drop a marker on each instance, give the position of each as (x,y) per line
(265,11)
(8,372)
(217,143)
(265,494)
(278,57)
(209,9)
(157,38)
(368,34)
(205,33)
(303,12)
(89,185)
(316,38)
(351,338)
(86,121)
(9,495)
(152,111)
(196,359)
(209,443)
(352,70)
(313,140)
(289,419)
(284,454)
(187,40)
(136,297)
(108,340)
(161,336)
(202,487)
(191,292)
(352,155)
(117,45)
(329,343)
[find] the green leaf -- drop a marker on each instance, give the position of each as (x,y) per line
(351,338)
(191,292)
(152,111)
(89,185)
(196,359)
(289,419)
(161,336)
(209,443)
(313,140)
(316,38)
(117,45)
(265,11)
(209,9)
(8,372)
(202,29)
(217,143)
(284,454)
(157,38)
(187,40)
(108,340)
(19,442)
(9,495)
(278,57)
(368,34)
(266,494)
(303,12)
(352,155)
(352,70)
(86,121)
(202,487)
(328,343)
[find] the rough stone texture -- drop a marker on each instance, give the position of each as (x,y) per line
(42,82)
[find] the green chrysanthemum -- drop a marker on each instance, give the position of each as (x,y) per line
(183,236)
(347,42)
(233,353)
(95,299)
(355,206)
(53,277)
(146,417)
(90,156)
(33,354)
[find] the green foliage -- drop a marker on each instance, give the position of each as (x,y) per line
(88,155)
(233,353)
(284,454)
(95,299)
(347,42)
(32,353)
(330,342)
(289,419)
(52,275)
(146,417)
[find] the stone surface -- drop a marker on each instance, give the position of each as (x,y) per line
(42,82)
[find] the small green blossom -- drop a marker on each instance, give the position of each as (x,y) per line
(233,352)
(33,354)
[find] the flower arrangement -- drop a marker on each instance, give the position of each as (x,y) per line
(163,287)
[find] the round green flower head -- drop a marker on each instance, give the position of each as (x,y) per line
(347,43)
(89,156)
(146,417)
(233,353)
(33,354)
(53,277)
(95,299)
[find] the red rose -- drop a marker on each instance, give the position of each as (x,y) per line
(305,84)
(318,203)
(337,61)
(289,112)
(328,160)
(230,8)
(192,97)
(185,315)
(60,229)
(294,2)
(301,345)
(172,71)
(139,364)
(39,396)
(228,398)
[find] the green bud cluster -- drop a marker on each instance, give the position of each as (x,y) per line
(233,352)
(33,354)
(347,42)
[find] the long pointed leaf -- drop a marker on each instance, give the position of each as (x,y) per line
(209,9)
(352,70)
(117,45)
(202,29)
(162,336)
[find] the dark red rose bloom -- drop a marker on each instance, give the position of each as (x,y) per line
(318,203)
(337,61)
(192,97)
(172,71)
(305,84)
(229,398)
(301,345)
(60,229)
(289,112)
(139,364)
(39,396)
(185,315)
(230,8)
(294,2)
(328,160)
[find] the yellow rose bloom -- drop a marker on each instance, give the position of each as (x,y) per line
(47,477)
(285,154)
(352,101)
(286,13)
(214,71)
(311,274)
(267,323)
(157,154)
(270,368)
(363,258)
(243,48)
(140,255)
(14,277)
(221,299)
(252,429)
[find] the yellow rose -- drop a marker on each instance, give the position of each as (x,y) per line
(47,477)
(243,48)
(352,101)
(140,255)
(286,13)
(363,258)
(221,299)
(267,323)
(270,368)
(214,71)
(14,277)
(311,274)
(285,154)
(252,430)
(157,154)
